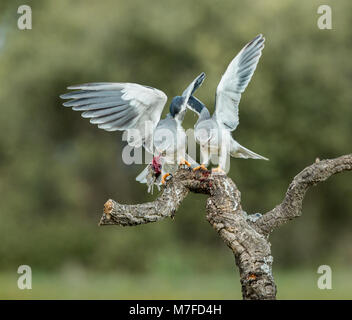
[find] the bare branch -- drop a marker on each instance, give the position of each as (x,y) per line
(164,206)
(251,249)
(291,206)
(129,215)
(246,235)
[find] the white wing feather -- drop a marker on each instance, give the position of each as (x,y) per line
(196,83)
(235,81)
(120,106)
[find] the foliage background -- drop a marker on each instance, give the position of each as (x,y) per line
(57,170)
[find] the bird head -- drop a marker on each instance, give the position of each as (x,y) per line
(176,106)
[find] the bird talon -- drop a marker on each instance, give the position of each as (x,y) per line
(187,164)
(165,178)
(218,170)
(184,162)
(201,167)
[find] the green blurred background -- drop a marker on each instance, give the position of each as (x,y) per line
(57,170)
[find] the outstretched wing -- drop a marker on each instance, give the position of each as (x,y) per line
(235,81)
(120,106)
(196,83)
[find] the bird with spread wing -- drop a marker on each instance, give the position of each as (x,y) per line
(213,133)
(137,109)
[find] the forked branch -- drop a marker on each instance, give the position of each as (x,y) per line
(291,206)
(246,235)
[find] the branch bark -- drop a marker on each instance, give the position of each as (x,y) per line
(291,206)
(246,235)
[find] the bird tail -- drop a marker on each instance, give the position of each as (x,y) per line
(147,177)
(142,177)
(238,151)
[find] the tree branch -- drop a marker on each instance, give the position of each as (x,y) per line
(224,213)
(246,235)
(131,215)
(164,206)
(291,206)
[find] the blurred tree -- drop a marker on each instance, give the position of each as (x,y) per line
(56,169)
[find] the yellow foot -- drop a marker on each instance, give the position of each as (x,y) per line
(201,167)
(164,177)
(218,170)
(184,162)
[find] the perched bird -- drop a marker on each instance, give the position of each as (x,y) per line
(213,133)
(137,109)
(170,141)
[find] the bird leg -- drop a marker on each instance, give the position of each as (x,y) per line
(201,167)
(184,162)
(165,177)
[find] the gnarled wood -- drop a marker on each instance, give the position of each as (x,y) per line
(246,235)
(291,206)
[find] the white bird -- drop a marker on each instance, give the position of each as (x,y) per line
(137,109)
(213,133)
